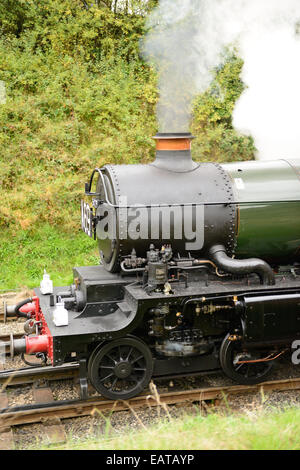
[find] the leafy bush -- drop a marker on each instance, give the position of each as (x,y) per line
(216,138)
(79,96)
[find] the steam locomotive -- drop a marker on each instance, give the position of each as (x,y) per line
(200,271)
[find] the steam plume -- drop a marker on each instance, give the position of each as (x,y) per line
(186,41)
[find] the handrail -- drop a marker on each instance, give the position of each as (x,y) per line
(152,206)
(89,185)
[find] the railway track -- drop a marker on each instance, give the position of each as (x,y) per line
(50,412)
(28,375)
(8,319)
(47,410)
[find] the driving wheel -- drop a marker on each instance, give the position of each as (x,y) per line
(244,367)
(121,369)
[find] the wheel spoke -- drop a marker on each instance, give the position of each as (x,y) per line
(137,359)
(140,369)
(129,354)
(120,354)
(239,367)
(106,377)
(107,367)
(113,360)
(113,384)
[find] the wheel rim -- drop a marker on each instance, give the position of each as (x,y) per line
(121,369)
(234,363)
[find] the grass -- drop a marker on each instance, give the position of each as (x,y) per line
(25,254)
(272,430)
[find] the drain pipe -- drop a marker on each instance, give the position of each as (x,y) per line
(240,267)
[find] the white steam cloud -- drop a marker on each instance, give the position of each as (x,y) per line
(186,41)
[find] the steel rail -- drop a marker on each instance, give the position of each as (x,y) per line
(30,414)
(10,318)
(5,338)
(29,375)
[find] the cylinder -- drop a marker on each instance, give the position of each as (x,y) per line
(251,208)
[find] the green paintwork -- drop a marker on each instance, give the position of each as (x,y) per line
(267,229)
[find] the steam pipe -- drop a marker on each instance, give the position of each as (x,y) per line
(245,266)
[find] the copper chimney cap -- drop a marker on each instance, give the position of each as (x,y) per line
(173,141)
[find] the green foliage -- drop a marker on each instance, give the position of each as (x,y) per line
(216,138)
(79,96)
(61,120)
(77,28)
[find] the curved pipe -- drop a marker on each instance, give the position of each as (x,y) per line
(133,270)
(20,305)
(245,266)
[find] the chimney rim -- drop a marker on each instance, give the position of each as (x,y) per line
(173,136)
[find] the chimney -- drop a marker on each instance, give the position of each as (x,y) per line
(173,152)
